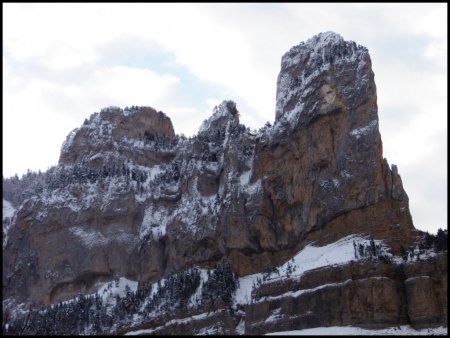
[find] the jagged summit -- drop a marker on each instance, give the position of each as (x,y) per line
(222,114)
(326,36)
(323,39)
(327,47)
(340,70)
(112,132)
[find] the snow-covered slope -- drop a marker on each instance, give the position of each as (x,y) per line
(311,257)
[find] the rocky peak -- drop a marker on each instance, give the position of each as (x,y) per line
(338,71)
(114,130)
(224,113)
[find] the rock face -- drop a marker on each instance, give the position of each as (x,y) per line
(426,290)
(369,294)
(130,198)
(321,168)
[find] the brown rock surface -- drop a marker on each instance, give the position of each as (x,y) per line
(366,294)
(426,289)
(422,302)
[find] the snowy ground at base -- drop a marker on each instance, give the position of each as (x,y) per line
(355,331)
(311,257)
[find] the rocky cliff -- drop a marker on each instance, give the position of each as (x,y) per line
(129,198)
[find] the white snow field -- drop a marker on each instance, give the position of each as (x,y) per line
(357,331)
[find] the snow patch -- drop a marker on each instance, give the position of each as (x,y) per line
(336,182)
(193,301)
(108,291)
(68,141)
(300,292)
(244,291)
(345,174)
(8,218)
(154,222)
(245,177)
(89,239)
(416,278)
(420,255)
(254,188)
(275,315)
(313,257)
(240,328)
(173,322)
(8,209)
(366,130)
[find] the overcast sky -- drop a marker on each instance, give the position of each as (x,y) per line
(63,62)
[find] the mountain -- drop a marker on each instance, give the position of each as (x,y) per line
(302,224)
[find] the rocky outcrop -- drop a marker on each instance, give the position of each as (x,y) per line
(114,131)
(130,198)
(321,166)
(366,294)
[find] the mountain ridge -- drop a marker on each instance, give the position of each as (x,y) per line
(130,198)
